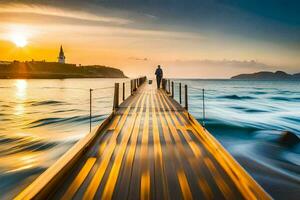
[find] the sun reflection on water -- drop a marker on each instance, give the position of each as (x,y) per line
(19,109)
(21,91)
(21,95)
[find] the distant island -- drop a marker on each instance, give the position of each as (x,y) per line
(55,70)
(264,75)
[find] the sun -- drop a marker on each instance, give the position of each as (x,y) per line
(19,39)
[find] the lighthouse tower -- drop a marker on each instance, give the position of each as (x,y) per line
(61,56)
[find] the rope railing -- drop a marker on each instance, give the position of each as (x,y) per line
(92,91)
(118,96)
(103,88)
(71,105)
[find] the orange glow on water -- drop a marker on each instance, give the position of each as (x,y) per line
(21,86)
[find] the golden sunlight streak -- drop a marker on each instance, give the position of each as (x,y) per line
(21,90)
(21,86)
(19,39)
(19,109)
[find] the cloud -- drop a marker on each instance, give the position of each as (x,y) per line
(51,11)
(138,59)
(225,63)
(151,16)
(162,30)
(209,68)
(128,25)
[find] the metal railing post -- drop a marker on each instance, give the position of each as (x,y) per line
(91,109)
(172,89)
(180,93)
(116,97)
(123,91)
(169,86)
(203,108)
(130,87)
(134,83)
(164,82)
(186,97)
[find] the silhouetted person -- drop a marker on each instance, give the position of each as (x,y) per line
(159,75)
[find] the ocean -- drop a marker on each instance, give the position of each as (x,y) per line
(258,122)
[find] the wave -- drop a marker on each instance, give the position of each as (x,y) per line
(47,102)
(63,88)
(236,97)
(69,110)
(271,166)
(5,119)
(4,139)
(74,119)
(258,93)
(248,110)
(278,98)
(226,128)
(6,106)
(254,130)
(289,139)
(286,92)
(24,143)
(292,119)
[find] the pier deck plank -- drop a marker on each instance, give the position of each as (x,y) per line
(153,149)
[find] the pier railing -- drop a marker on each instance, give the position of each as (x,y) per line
(85,152)
(180,92)
(39,189)
(122,90)
(121,96)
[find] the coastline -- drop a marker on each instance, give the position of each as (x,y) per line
(55,76)
(53,70)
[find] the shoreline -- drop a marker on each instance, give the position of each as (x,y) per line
(57,77)
(52,70)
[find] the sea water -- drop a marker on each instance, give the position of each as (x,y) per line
(258,122)
(41,119)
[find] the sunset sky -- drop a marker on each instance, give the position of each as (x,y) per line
(189,38)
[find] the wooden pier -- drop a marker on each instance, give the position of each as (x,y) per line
(150,147)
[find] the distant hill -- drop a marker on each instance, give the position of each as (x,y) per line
(53,70)
(279,75)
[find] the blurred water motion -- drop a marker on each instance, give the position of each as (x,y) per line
(258,122)
(41,119)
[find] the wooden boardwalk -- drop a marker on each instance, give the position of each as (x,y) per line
(150,149)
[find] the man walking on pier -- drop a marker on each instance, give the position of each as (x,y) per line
(159,75)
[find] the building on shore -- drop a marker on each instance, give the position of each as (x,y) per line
(61,56)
